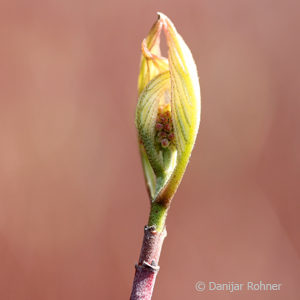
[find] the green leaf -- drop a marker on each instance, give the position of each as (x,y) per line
(185,105)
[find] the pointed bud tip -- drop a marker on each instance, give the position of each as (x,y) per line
(162,17)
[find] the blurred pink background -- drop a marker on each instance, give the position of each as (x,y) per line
(72,197)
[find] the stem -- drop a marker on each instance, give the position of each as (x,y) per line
(158,214)
(147,267)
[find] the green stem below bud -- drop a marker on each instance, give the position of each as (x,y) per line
(158,214)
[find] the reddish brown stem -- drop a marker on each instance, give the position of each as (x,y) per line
(147,267)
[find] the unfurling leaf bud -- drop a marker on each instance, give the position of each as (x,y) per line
(168,110)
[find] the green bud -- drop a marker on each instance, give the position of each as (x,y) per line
(168,110)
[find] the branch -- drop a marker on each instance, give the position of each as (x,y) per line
(147,267)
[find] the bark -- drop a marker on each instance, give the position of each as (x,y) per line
(147,267)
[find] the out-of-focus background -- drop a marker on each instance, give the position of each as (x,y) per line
(72,197)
